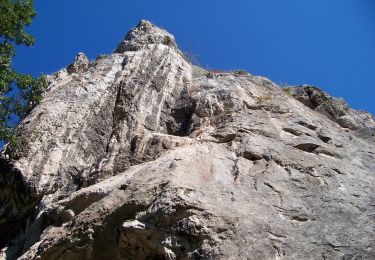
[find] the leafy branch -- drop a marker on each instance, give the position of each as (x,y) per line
(19,93)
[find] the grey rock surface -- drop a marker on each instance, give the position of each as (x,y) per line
(79,65)
(334,108)
(141,155)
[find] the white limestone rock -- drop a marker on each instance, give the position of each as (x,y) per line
(142,155)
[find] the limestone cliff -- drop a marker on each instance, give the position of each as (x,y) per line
(141,155)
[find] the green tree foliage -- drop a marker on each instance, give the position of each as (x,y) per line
(18,92)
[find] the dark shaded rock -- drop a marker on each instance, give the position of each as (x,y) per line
(79,65)
(307,147)
(17,200)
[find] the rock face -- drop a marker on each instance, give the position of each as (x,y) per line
(79,65)
(334,108)
(141,155)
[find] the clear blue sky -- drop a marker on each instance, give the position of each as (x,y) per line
(327,43)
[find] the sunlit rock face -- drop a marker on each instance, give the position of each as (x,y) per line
(141,155)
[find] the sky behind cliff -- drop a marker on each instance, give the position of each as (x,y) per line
(330,44)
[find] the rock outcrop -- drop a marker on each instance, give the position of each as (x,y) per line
(142,155)
(334,108)
(79,65)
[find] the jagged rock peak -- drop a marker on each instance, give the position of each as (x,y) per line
(143,34)
(335,109)
(80,64)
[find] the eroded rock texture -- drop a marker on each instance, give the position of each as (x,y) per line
(141,155)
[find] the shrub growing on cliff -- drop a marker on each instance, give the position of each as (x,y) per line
(18,92)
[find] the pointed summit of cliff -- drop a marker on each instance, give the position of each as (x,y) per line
(143,34)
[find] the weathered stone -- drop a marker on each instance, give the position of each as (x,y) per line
(143,34)
(334,108)
(79,65)
(144,156)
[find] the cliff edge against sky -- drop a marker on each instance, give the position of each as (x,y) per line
(141,155)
